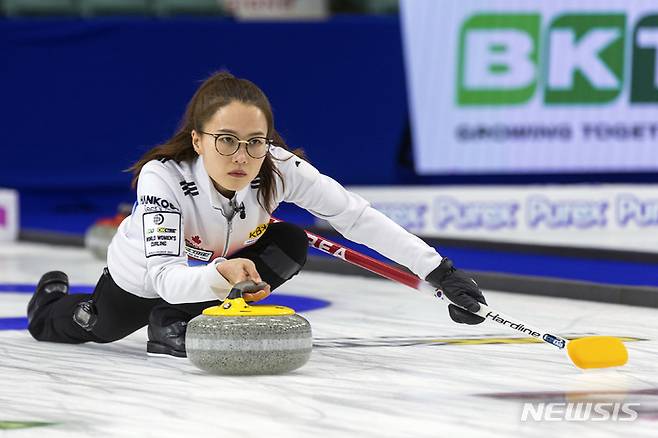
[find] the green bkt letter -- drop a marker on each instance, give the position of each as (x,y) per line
(498,59)
(644,83)
(585,59)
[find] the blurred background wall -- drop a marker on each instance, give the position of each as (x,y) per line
(87,89)
(518,137)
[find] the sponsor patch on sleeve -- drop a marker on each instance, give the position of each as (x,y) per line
(198,254)
(161,233)
(255,234)
(156,203)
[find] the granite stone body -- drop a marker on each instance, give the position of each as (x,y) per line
(98,238)
(247,345)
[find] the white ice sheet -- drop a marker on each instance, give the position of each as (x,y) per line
(380,368)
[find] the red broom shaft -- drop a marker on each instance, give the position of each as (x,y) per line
(361,260)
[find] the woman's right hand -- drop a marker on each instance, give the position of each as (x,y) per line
(237,270)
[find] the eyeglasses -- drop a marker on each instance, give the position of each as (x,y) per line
(228,144)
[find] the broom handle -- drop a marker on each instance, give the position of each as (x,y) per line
(368,263)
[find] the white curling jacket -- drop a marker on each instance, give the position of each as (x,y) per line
(180,215)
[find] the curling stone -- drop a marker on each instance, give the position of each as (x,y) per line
(100,234)
(235,338)
(98,238)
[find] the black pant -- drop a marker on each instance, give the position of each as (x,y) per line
(278,255)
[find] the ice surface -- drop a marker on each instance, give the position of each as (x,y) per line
(387,362)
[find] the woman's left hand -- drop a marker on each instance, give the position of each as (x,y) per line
(459,289)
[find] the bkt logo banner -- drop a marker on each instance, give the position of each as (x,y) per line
(532,86)
(583,59)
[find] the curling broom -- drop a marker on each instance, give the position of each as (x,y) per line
(586,352)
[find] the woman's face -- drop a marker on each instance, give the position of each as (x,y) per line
(233,172)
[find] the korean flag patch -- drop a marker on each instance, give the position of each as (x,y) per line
(161,233)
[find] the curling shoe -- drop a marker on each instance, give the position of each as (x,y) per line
(52,286)
(167,340)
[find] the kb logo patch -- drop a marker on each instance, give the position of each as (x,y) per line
(255,234)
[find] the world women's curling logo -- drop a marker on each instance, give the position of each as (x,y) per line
(158,219)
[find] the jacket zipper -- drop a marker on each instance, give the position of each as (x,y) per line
(229,227)
(229,222)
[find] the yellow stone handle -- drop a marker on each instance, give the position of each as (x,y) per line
(235,305)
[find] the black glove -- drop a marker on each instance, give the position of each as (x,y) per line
(460,289)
